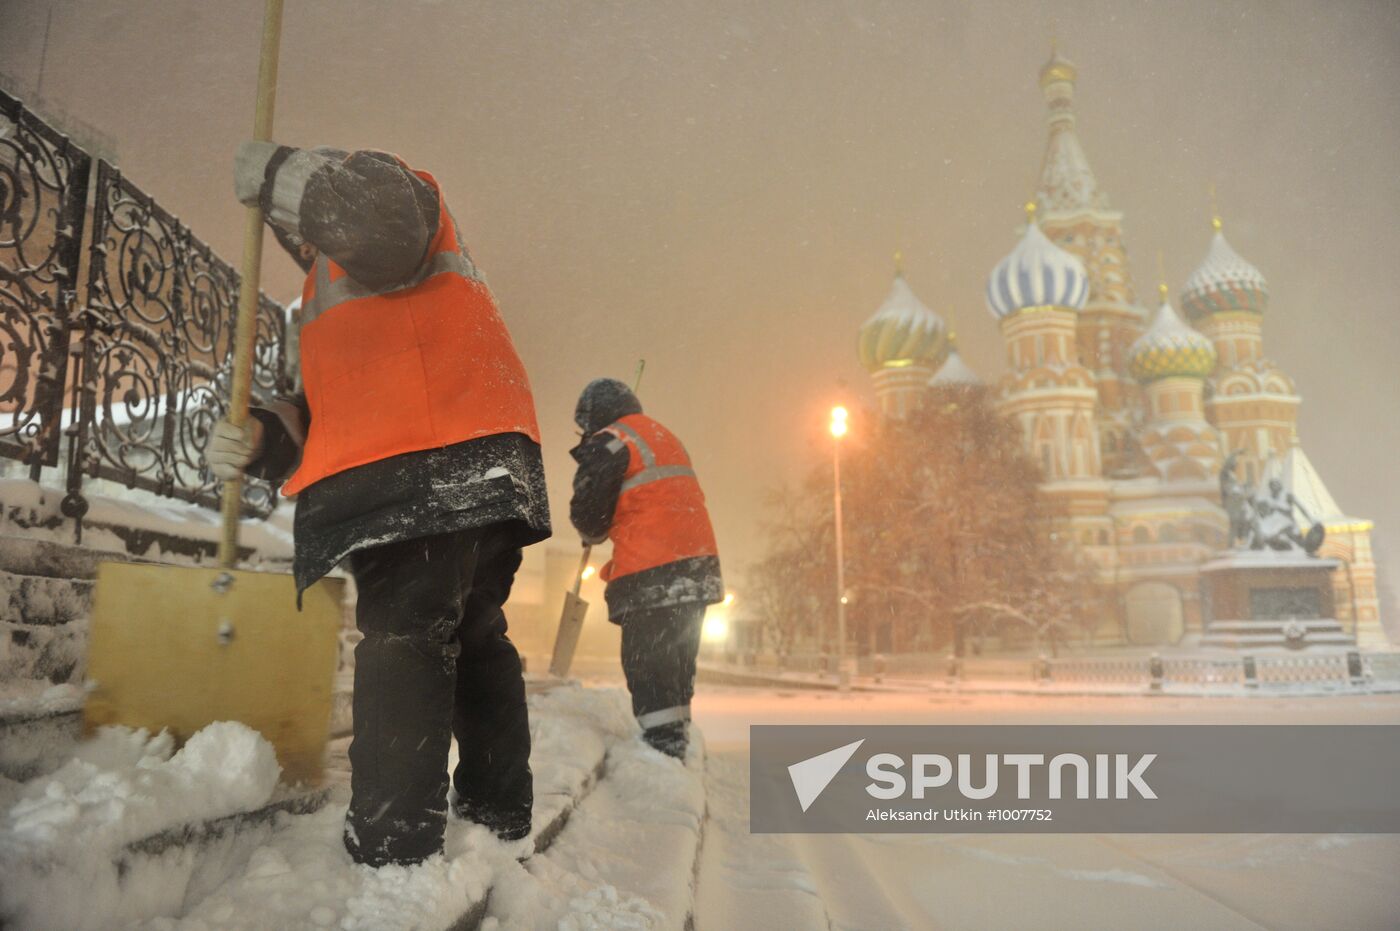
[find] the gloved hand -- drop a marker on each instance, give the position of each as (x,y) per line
(231,448)
(249,166)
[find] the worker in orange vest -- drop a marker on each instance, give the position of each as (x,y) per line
(635,485)
(414,455)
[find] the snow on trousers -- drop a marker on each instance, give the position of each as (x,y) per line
(659,646)
(435,663)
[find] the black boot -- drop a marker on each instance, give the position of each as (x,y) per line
(508,825)
(671,739)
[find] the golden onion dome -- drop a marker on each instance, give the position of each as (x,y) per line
(1170,349)
(902,332)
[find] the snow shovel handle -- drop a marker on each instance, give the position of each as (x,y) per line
(582,567)
(247,321)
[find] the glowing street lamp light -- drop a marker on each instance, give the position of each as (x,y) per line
(838,421)
(715,628)
(838,430)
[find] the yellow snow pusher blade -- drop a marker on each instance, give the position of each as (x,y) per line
(179,648)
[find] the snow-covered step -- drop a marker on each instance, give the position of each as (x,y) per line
(52,558)
(627,858)
(40,599)
(39,724)
(49,652)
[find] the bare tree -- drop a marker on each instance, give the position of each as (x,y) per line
(791,585)
(947,538)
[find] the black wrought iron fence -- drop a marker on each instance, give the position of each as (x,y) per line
(128,373)
(43,191)
(154,363)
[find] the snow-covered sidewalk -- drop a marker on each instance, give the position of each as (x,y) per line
(623,849)
(966,881)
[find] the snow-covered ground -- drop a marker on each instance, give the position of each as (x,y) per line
(1021,881)
(624,859)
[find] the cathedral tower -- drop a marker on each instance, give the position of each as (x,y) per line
(1076,215)
(1036,293)
(1252,402)
(1173,361)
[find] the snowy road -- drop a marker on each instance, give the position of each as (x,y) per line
(1018,881)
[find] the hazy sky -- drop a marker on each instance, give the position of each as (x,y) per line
(719,186)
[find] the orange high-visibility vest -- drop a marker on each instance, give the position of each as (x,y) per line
(660,516)
(419,365)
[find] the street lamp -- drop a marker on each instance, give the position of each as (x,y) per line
(838,430)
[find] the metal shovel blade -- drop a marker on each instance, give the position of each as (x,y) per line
(178,648)
(570,626)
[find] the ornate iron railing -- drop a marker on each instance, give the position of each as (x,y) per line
(153,363)
(43,191)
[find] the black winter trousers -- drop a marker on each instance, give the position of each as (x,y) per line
(658,658)
(435,663)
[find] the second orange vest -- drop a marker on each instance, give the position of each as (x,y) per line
(660,516)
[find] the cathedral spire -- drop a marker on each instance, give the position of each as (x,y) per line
(1067,183)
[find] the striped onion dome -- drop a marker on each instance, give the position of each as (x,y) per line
(1224,281)
(903,331)
(1037,273)
(1170,348)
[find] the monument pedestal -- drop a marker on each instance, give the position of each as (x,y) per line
(1269,598)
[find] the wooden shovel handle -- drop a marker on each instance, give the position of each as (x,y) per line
(582,567)
(250,279)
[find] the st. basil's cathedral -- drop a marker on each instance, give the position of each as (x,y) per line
(1129,413)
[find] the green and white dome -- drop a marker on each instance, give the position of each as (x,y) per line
(903,332)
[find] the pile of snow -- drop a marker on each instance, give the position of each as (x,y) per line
(125,785)
(61,835)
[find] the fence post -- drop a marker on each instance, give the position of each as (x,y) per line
(1156,669)
(1251,673)
(1355,670)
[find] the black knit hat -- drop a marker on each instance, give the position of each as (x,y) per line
(604,401)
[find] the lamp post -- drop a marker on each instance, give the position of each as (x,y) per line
(838,430)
